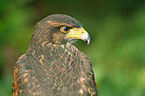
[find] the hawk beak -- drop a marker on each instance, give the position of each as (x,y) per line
(79,33)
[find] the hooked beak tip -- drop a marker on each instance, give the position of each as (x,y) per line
(88,42)
(88,39)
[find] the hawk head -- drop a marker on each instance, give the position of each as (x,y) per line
(59,29)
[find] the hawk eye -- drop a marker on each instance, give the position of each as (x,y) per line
(65,29)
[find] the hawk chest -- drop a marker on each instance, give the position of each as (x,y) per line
(56,66)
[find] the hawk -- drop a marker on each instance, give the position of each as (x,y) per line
(52,66)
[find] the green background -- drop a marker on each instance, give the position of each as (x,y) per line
(117,48)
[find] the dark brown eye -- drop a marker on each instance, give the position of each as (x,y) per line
(65,29)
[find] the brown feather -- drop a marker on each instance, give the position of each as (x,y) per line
(15,82)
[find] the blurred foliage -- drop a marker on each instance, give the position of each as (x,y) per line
(117,30)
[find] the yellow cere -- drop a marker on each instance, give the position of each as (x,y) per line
(76,33)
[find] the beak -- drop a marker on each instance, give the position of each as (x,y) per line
(79,33)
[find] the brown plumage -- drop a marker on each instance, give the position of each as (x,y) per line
(52,66)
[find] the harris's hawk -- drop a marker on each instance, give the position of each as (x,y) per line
(52,66)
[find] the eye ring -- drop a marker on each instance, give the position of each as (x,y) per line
(65,29)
